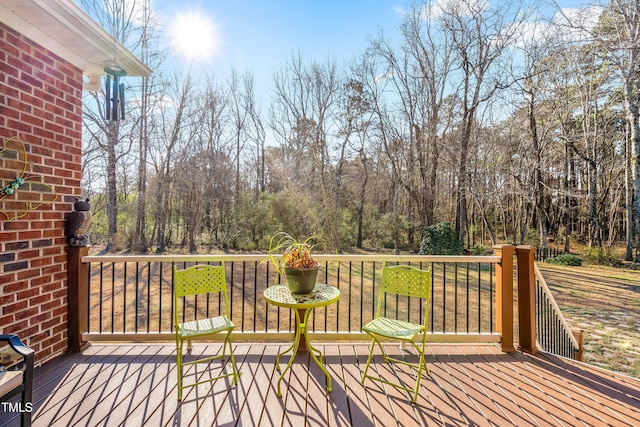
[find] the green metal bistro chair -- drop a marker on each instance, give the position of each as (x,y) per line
(407,281)
(191,282)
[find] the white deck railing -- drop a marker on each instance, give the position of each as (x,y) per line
(130,297)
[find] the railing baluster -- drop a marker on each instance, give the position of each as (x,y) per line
(374,294)
(244,276)
(491,327)
(124,299)
(149,299)
(136,300)
(455,297)
(338,304)
(467,314)
(480,303)
(444,297)
(231,293)
(432,299)
(266,307)
(101,298)
(349,298)
(553,332)
(255,295)
(445,308)
(361,292)
(113,297)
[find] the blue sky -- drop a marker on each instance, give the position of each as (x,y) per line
(262,34)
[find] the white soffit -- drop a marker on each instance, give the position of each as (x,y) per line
(66,30)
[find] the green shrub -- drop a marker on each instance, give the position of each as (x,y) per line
(601,256)
(565,259)
(440,239)
(478,250)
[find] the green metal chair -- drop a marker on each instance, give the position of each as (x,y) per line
(191,282)
(407,281)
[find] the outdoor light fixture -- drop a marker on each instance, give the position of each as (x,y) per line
(115,95)
(92,83)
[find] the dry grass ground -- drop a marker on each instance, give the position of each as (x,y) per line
(136,297)
(605,303)
(602,301)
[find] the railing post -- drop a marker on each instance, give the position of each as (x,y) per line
(504,296)
(526,299)
(577,333)
(77,298)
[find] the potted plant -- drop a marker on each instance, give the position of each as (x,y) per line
(292,258)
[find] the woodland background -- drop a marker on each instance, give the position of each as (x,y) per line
(514,126)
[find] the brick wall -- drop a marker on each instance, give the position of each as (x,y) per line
(41,103)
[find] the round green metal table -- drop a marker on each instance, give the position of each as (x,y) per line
(302,305)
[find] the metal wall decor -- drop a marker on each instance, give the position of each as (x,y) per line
(20,191)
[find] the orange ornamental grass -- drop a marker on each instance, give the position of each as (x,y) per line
(295,253)
(299,257)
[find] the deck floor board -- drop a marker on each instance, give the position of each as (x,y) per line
(471,384)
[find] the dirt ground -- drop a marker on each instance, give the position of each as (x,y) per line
(605,303)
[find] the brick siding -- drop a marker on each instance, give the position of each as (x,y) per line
(40,103)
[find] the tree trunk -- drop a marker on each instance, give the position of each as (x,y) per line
(461,193)
(628,173)
(363,193)
(634,142)
(567,217)
(141,243)
(538,183)
(594,221)
(112,195)
(161,217)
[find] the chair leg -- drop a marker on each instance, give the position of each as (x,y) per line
(27,396)
(224,347)
(236,374)
(421,365)
(385,356)
(179,367)
(26,414)
(366,367)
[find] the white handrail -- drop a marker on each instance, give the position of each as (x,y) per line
(320,257)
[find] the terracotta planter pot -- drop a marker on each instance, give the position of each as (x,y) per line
(301,280)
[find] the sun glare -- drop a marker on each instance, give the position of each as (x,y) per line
(194,36)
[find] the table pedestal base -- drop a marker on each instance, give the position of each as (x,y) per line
(301,337)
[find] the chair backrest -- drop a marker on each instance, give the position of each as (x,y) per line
(200,280)
(405,280)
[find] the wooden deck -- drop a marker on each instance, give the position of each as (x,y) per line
(135,385)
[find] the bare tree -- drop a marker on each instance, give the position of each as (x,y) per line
(418,71)
(617,30)
(479,36)
(303,114)
(122,19)
(239,115)
(530,76)
(151,55)
(620,36)
(255,131)
(175,118)
(357,128)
